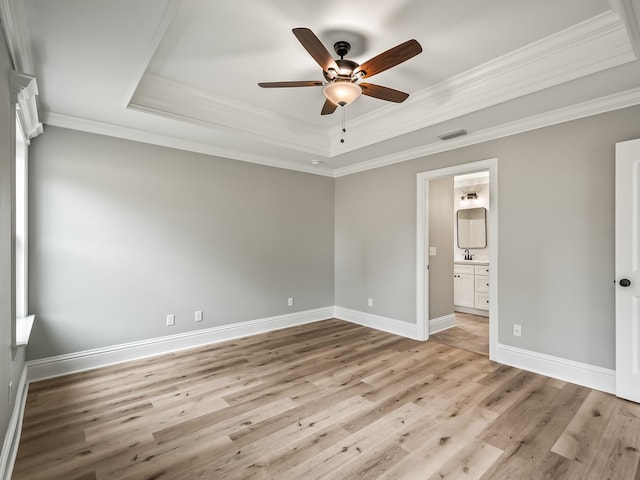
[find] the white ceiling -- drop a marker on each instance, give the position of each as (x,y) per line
(471,180)
(185,73)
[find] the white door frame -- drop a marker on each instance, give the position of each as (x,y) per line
(422,242)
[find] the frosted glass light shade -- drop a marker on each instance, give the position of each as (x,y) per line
(342,92)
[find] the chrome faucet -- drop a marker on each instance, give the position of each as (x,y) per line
(467,255)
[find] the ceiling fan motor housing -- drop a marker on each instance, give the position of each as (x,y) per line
(345,71)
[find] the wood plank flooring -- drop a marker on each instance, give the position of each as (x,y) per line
(470,333)
(328,400)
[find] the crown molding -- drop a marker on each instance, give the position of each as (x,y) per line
(14,19)
(24,90)
(168,98)
(630,15)
(158,35)
(586,48)
(616,101)
(102,128)
(585,109)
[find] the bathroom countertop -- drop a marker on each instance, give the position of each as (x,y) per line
(471,262)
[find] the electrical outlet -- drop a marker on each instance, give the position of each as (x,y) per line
(370,302)
(171,320)
(290,301)
(517,330)
(198,316)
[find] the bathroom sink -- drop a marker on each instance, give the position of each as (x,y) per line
(472,262)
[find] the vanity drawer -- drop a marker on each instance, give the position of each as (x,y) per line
(482,270)
(482,301)
(463,269)
(482,283)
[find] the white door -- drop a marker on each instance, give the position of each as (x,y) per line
(628,270)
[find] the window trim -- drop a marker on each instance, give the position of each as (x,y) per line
(24,90)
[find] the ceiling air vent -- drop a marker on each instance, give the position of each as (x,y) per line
(452,134)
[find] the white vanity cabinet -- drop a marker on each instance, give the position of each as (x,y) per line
(471,288)
(463,285)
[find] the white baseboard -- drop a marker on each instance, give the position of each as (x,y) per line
(12,437)
(390,325)
(101,357)
(442,323)
(472,311)
(598,378)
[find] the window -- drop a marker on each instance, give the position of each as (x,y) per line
(24,90)
(21,223)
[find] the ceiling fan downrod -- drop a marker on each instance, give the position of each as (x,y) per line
(342,48)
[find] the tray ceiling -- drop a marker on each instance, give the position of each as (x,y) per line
(185,73)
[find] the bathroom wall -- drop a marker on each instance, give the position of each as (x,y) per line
(440,234)
(482,201)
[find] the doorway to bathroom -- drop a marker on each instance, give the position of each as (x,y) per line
(457,245)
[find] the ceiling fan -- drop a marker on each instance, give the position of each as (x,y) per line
(343,77)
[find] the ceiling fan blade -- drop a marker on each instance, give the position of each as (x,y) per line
(390,58)
(383,93)
(302,83)
(316,49)
(328,108)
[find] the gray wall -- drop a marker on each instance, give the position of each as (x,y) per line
(374,252)
(441,223)
(124,233)
(11,362)
(556,235)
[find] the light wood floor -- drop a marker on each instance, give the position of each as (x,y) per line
(470,333)
(329,400)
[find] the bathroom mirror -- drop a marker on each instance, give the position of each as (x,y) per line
(472,227)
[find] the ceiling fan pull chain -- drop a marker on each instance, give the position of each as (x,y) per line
(344,129)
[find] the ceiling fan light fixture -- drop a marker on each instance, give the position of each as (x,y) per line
(342,92)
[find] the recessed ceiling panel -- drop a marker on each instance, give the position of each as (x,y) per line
(226,47)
